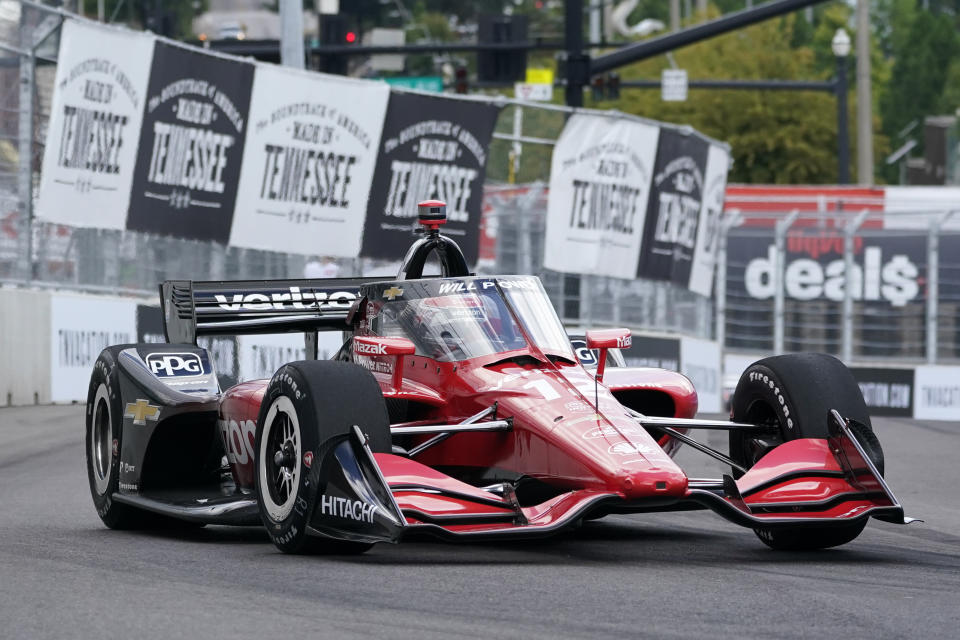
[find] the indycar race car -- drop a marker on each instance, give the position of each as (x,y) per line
(456,407)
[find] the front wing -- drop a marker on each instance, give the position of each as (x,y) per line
(807,482)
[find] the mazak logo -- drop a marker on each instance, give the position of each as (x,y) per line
(168,365)
(624,342)
(369,348)
(346,508)
(293,298)
(629,449)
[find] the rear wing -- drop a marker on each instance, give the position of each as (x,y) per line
(235,307)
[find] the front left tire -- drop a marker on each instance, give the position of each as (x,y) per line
(307,406)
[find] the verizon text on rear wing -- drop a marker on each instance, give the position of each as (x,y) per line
(192,309)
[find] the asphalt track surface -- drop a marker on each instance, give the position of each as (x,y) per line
(688,575)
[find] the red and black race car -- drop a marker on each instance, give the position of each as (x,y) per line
(456,407)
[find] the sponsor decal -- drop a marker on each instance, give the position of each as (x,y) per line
(370,349)
(596,417)
(141,411)
(886,391)
(346,508)
(894,279)
(126,467)
(392,293)
(115,447)
(377,366)
(175,364)
(308,459)
(293,298)
(630,449)
(624,342)
(609,432)
(239,439)
(129,486)
(586,356)
(576,405)
(287,537)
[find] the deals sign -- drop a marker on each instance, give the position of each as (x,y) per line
(185,182)
(433,148)
(309,159)
(98,102)
(680,236)
(599,185)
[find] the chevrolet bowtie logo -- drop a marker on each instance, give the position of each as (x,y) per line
(392,293)
(141,411)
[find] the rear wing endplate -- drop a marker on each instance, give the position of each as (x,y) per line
(191,308)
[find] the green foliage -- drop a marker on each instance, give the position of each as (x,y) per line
(776,136)
(138,14)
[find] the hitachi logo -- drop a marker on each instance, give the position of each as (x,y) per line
(345,508)
(293,299)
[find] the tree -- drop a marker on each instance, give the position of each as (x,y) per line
(775,136)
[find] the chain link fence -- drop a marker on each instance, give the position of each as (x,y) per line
(780,288)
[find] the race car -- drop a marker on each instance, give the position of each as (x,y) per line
(456,407)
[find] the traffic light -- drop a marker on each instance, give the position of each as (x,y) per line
(461,84)
(605,87)
(596,86)
(613,86)
(501,65)
(333,31)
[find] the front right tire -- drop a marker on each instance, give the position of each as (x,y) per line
(793,394)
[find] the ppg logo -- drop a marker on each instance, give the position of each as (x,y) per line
(175,364)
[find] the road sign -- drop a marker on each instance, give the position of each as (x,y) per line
(531,91)
(539,76)
(673,85)
(421,83)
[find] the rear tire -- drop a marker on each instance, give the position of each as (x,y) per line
(305,406)
(794,394)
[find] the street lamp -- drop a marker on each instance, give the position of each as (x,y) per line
(841,49)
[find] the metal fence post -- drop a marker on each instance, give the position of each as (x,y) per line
(849,233)
(933,284)
(25,141)
(780,234)
(729,220)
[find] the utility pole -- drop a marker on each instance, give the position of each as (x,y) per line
(291,33)
(864,99)
(578,63)
(674,15)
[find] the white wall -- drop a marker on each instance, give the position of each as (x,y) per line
(24,346)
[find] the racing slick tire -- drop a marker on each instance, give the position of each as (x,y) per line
(306,404)
(795,393)
(104,435)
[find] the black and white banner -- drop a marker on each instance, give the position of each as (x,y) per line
(95,121)
(936,393)
(887,270)
(686,200)
(599,185)
(308,162)
(432,148)
(887,392)
(188,165)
